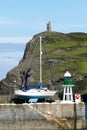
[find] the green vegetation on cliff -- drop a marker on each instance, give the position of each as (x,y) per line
(66,52)
(61,52)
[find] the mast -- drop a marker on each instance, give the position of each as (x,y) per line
(41,61)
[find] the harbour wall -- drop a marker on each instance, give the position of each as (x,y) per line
(66,115)
(31,116)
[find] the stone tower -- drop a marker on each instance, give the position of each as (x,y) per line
(48,27)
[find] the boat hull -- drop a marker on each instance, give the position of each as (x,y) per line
(40,94)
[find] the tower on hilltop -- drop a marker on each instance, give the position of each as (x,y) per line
(48,27)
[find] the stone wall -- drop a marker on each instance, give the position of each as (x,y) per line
(60,109)
(41,116)
(68,115)
(22,117)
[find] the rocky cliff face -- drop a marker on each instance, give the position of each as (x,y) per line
(23,73)
(63,51)
(26,71)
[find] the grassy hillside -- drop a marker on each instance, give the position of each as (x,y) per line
(66,52)
(61,52)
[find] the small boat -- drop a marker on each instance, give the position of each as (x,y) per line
(35,92)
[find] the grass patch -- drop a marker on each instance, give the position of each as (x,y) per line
(82,66)
(69,52)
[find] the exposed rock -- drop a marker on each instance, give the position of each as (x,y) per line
(24,73)
(27,72)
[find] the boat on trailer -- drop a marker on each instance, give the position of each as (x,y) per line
(33,93)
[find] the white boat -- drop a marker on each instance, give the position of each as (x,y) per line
(33,94)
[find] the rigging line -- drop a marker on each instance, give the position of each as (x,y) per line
(24,75)
(48,63)
(34,50)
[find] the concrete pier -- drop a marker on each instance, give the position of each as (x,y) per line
(54,115)
(66,115)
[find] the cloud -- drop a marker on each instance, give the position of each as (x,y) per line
(74,26)
(6,21)
(14,39)
(71,27)
(77,25)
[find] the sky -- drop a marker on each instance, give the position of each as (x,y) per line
(20,20)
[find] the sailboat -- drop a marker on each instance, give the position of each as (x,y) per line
(33,94)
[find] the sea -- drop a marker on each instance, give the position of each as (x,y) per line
(86,116)
(10,55)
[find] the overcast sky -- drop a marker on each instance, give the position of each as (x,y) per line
(21,19)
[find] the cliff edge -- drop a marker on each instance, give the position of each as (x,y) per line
(61,52)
